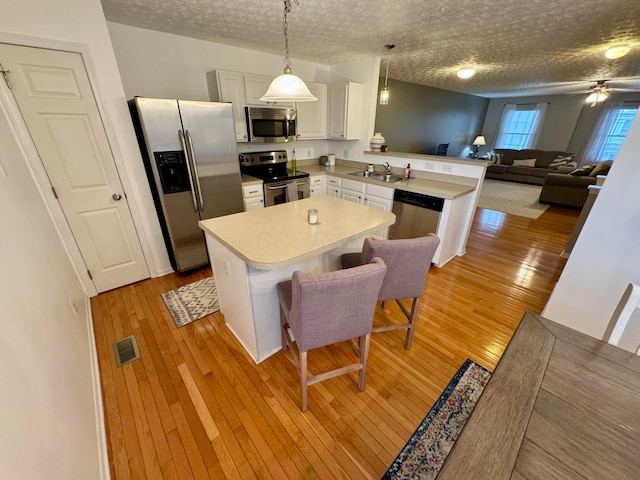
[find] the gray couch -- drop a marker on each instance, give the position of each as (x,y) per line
(571,189)
(507,170)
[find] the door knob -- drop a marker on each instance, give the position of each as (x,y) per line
(116,196)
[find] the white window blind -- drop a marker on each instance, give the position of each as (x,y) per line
(610,132)
(520,125)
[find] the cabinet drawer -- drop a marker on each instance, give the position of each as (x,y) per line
(380,191)
(317,180)
(333,181)
(353,185)
(249,191)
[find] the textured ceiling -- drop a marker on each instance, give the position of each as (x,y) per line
(518,47)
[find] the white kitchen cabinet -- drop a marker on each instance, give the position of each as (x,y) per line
(345,110)
(312,116)
(353,191)
(229,87)
(333,186)
(253,197)
(377,196)
(318,185)
(255,86)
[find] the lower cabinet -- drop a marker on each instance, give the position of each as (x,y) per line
(353,191)
(318,185)
(333,186)
(377,196)
(253,197)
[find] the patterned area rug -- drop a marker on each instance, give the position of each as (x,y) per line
(510,197)
(193,301)
(425,452)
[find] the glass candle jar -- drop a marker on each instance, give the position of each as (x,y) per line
(312,216)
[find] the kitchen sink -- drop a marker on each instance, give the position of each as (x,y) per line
(378,176)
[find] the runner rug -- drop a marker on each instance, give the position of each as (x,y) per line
(425,452)
(192,302)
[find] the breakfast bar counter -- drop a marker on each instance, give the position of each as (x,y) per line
(251,252)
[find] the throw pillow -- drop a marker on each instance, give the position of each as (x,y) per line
(601,168)
(527,162)
(495,158)
(583,171)
(559,161)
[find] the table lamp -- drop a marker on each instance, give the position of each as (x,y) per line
(477,142)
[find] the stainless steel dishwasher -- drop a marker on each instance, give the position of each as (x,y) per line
(416,214)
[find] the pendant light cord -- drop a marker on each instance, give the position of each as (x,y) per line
(386,75)
(285,27)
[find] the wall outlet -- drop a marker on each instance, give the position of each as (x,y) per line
(429,166)
(447,168)
(347,152)
(309,152)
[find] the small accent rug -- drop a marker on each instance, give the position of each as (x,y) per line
(510,197)
(425,452)
(193,301)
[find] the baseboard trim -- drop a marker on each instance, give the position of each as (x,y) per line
(103,452)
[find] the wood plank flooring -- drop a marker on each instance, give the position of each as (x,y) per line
(195,406)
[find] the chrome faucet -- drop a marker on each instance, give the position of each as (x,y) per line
(387,167)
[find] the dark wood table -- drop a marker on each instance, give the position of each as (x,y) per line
(560,405)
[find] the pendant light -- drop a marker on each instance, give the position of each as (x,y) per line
(384,93)
(287,87)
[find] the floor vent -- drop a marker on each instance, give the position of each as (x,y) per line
(126,350)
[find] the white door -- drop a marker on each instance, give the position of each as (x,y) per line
(56,100)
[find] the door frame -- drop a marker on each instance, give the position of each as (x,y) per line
(37,167)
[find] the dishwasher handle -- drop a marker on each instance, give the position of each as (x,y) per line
(419,200)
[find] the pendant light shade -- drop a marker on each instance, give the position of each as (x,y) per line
(384,93)
(287,87)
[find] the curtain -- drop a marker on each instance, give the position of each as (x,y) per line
(595,147)
(541,110)
(507,111)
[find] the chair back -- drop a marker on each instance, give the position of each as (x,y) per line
(442,149)
(407,261)
(332,307)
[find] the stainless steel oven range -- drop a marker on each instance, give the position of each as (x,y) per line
(281,184)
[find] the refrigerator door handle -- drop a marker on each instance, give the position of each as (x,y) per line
(186,156)
(195,168)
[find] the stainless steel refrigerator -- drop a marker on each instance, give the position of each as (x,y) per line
(189,151)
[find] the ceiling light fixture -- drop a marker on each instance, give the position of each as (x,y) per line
(617,51)
(287,87)
(598,95)
(466,73)
(384,93)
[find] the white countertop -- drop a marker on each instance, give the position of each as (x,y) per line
(277,236)
(445,190)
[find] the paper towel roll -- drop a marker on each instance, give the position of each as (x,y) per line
(332,159)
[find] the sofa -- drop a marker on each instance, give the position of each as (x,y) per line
(528,165)
(571,189)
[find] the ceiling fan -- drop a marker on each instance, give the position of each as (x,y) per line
(600,92)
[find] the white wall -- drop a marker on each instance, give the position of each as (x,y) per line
(48,418)
(606,256)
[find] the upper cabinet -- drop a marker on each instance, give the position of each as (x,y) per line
(345,110)
(255,86)
(312,116)
(229,87)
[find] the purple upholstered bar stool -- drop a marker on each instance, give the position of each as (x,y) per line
(408,262)
(325,308)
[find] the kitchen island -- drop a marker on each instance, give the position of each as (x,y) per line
(251,252)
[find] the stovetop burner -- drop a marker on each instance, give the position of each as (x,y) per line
(270,167)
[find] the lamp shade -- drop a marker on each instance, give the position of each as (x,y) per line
(288,88)
(479,140)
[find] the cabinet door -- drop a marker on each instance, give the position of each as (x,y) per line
(255,86)
(337,110)
(318,185)
(253,203)
(230,88)
(333,191)
(378,202)
(312,116)
(352,196)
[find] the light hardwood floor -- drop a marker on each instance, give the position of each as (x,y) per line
(196,406)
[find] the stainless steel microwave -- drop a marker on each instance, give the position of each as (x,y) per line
(271,125)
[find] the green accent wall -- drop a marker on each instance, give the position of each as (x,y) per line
(418,118)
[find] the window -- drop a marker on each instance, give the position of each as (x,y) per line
(520,125)
(609,134)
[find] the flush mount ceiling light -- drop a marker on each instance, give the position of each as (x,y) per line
(384,93)
(466,72)
(287,87)
(617,51)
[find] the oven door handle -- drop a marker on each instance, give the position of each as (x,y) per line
(188,162)
(276,186)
